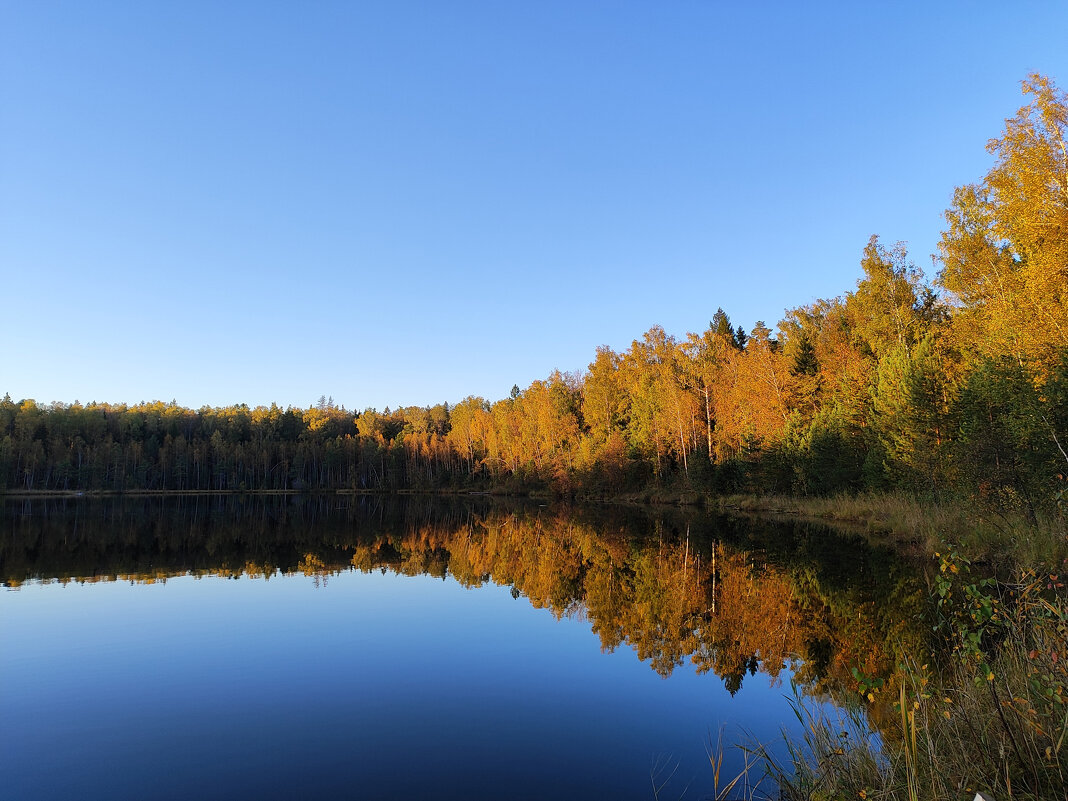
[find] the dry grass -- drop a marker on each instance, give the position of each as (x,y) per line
(993,718)
(979,533)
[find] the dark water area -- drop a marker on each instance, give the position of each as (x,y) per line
(381,647)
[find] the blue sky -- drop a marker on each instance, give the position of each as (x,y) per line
(400,203)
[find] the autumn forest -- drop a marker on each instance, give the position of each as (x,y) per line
(953,385)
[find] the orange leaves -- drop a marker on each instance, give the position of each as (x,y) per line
(1005,255)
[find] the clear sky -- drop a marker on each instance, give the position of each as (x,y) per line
(400,203)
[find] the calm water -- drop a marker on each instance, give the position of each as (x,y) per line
(350,648)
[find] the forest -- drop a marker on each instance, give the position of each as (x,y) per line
(947,386)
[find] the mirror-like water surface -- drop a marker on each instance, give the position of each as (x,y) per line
(360,647)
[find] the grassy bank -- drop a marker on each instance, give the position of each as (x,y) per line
(986,708)
(1010,539)
(988,713)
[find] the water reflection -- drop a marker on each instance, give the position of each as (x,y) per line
(732,597)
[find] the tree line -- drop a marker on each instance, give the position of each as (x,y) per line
(956,384)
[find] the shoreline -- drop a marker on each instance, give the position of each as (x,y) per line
(905,521)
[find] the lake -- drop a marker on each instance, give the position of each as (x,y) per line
(377,647)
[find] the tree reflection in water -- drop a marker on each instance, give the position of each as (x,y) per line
(734,596)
